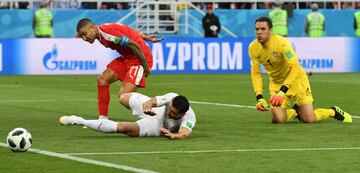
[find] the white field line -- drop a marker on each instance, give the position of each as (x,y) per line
(239,106)
(216,151)
(46,100)
(83,160)
(69,155)
(223,104)
(90,100)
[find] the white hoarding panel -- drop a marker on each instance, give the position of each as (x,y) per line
(323,54)
(65,56)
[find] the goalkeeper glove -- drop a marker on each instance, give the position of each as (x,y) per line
(278,98)
(261,104)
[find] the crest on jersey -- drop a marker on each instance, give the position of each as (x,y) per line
(276,55)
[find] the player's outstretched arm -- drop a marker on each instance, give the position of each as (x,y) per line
(135,48)
(152,38)
(182,134)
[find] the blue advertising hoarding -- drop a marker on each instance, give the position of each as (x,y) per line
(206,55)
(171,56)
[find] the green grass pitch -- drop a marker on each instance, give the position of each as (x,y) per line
(226,138)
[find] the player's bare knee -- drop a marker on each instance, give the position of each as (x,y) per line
(122,127)
(309,119)
(275,120)
(101,80)
(278,116)
(124,99)
(129,128)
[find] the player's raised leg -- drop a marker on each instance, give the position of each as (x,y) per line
(135,102)
(125,99)
(103,83)
(133,79)
(125,92)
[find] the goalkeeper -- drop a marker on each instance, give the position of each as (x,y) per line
(288,80)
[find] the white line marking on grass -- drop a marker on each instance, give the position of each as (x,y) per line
(215,151)
(223,104)
(46,100)
(238,106)
(90,100)
(83,160)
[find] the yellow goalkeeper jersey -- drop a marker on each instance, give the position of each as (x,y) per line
(279,59)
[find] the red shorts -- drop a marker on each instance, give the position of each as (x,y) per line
(128,71)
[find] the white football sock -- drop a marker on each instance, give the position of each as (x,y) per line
(101,125)
(103,117)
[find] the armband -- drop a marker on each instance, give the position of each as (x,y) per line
(259,96)
(284,88)
(123,41)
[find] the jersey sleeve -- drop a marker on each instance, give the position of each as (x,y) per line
(255,71)
(114,36)
(292,60)
(165,99)
(188,120)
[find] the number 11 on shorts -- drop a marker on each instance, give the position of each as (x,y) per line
(136,71)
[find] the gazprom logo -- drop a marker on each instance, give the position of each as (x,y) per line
(317,63)
(51,62)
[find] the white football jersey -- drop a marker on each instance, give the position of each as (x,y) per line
(188,120)
(150,125)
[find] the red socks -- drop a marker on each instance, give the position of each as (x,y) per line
(103,100)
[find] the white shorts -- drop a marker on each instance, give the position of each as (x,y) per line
(149,125)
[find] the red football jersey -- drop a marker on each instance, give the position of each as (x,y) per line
(110,31)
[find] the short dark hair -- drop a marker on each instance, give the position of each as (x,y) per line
(83,22)
(180,103)
(265,19)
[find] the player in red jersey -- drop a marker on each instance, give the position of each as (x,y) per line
(130,68)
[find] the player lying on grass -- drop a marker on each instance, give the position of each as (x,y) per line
(288,80)
(168,115)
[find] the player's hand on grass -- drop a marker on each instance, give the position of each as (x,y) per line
(277,99)
(262,105)
(147,108)
(152,38)
(167,133)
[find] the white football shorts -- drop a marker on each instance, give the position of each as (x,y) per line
(149,125)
